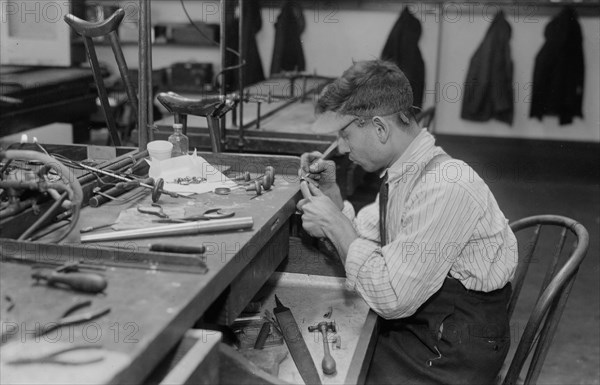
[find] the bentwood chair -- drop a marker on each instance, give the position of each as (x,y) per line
(560,274)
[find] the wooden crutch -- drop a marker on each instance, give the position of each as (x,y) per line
(108,27)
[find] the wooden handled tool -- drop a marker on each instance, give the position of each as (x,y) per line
(328,363)
(84,282)
(173,248)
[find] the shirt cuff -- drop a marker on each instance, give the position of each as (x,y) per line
(359,252)
(348,210)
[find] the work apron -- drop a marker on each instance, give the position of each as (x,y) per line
(458,336)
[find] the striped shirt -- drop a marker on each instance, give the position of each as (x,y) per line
(441,220)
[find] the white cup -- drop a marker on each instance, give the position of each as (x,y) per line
(160,149)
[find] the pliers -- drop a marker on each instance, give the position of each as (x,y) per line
(55,357)
(155,209)
(68,318)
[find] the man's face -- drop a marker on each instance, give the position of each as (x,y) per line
(361,144)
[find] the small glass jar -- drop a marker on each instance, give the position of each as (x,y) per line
(181,143)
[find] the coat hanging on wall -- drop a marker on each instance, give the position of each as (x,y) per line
(402,48)
(288,54)
(253,70)
(488,91)
(558,74)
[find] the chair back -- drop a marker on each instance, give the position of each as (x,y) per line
(554,292)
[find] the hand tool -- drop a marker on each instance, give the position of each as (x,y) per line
(119,255)
(328,363)
(88,229)
(182,249)
(253,186)
(56,358)
(265,329)
(68,318)
(188,228)
(98,191)
(84,282)
(113,192)
(155,209)
(215,213)
(296,345)
(325,156)
(245,177)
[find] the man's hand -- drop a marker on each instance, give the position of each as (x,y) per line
(318,212)
(322,218)
(317,169)
(323,173)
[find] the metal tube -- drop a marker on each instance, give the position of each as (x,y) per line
(213,130)
(149,75)
(223,47)
(122,65)
(143,74)
(102,93)
(191,228)
(115,166)
(241,62)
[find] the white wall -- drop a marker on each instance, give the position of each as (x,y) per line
(337,34)
(459,42)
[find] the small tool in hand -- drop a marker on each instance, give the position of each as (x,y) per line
(328,363)
(332,147)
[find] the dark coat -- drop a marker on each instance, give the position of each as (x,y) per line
(402,48)
(559,70)
(253,70)
(288,54)
(488,91)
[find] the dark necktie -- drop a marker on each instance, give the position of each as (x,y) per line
(383,199)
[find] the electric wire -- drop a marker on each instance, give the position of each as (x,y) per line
(236,53)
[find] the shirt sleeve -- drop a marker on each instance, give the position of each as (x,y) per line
(397,279)
(348,211)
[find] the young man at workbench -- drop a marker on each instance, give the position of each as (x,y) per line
(433,255)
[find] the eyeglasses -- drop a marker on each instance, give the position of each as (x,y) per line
(362,120)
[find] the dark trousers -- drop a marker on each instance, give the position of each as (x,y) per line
(458,336)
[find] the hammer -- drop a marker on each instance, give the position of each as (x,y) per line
(328,363)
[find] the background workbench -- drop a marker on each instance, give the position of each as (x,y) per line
(36,96)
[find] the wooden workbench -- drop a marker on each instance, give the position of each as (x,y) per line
(36,96)
(151,308)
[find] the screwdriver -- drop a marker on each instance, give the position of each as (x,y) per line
(84,282)
(172,248)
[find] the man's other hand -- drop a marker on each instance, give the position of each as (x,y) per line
(322,171)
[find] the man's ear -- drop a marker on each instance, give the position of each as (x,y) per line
(383,129)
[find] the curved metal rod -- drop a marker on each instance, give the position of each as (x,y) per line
(76,197)
(95,29)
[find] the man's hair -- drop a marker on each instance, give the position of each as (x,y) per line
(368,88)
